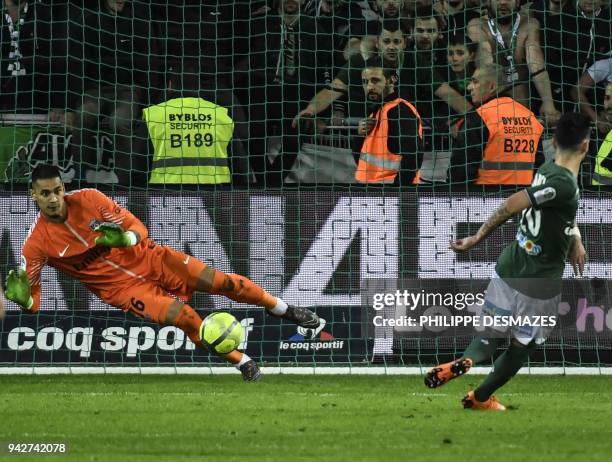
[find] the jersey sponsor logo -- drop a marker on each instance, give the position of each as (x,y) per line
(545,195)
(530,247)
(90,256)
(63,252)
(187,259)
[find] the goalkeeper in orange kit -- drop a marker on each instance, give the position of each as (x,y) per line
(86,235)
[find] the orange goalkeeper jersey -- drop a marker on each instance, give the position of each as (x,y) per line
(70,246)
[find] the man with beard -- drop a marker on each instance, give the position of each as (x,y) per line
(509,38)
(391,152)
(603,162)
(425,65)
(387,10)
(392,51)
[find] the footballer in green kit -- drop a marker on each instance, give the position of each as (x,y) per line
(527,279)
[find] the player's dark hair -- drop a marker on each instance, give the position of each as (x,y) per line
(572,129)
(45,172)
(376,62)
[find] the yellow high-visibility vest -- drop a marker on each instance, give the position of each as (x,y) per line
(601,175)
(190,138)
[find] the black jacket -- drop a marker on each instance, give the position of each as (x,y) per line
(29,92)
(267,39)
(115,50)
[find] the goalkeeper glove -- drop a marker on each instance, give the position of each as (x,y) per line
(114,236)
(18,288)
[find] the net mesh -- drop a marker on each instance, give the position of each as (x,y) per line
(231,129)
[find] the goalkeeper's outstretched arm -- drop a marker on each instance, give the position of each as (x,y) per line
(514,204)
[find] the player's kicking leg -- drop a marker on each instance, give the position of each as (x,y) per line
(446,372)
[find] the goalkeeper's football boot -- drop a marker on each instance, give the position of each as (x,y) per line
(310,334)
(470,402)
(441,374)
(250,371)
(303,317)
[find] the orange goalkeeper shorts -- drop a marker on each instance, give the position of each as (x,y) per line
(171,275)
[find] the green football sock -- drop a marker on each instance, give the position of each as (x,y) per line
(504,368)
(481,349)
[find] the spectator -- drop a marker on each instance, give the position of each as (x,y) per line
(455,15)
(509,38)
(189,135)
(551,16)
(391,44)
(207,35)
(387,10)
(588,36)
(499,139)
(391,152)
(426,66)
(287,59)
(343,22)
(117,55)
(420,83)
(599,72)
(603,163)
(461,63)
(26,39)
(416,8)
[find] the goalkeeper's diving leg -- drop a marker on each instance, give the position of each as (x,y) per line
(184,317)
(181,268)
(242,289)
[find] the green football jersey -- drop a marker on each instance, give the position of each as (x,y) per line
(544,235)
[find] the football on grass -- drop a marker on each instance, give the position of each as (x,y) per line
(221,332)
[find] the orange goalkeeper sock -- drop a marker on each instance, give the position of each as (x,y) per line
(233,357)
(189,322)
(241,289)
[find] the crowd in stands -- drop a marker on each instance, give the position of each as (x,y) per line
(287,70)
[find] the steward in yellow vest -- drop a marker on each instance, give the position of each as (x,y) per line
(391,152)
(499,140)
(603,163)
(190,137)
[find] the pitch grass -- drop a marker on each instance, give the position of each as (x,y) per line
(305,418)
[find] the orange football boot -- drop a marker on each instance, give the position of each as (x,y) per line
(441,374)
(470,402)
